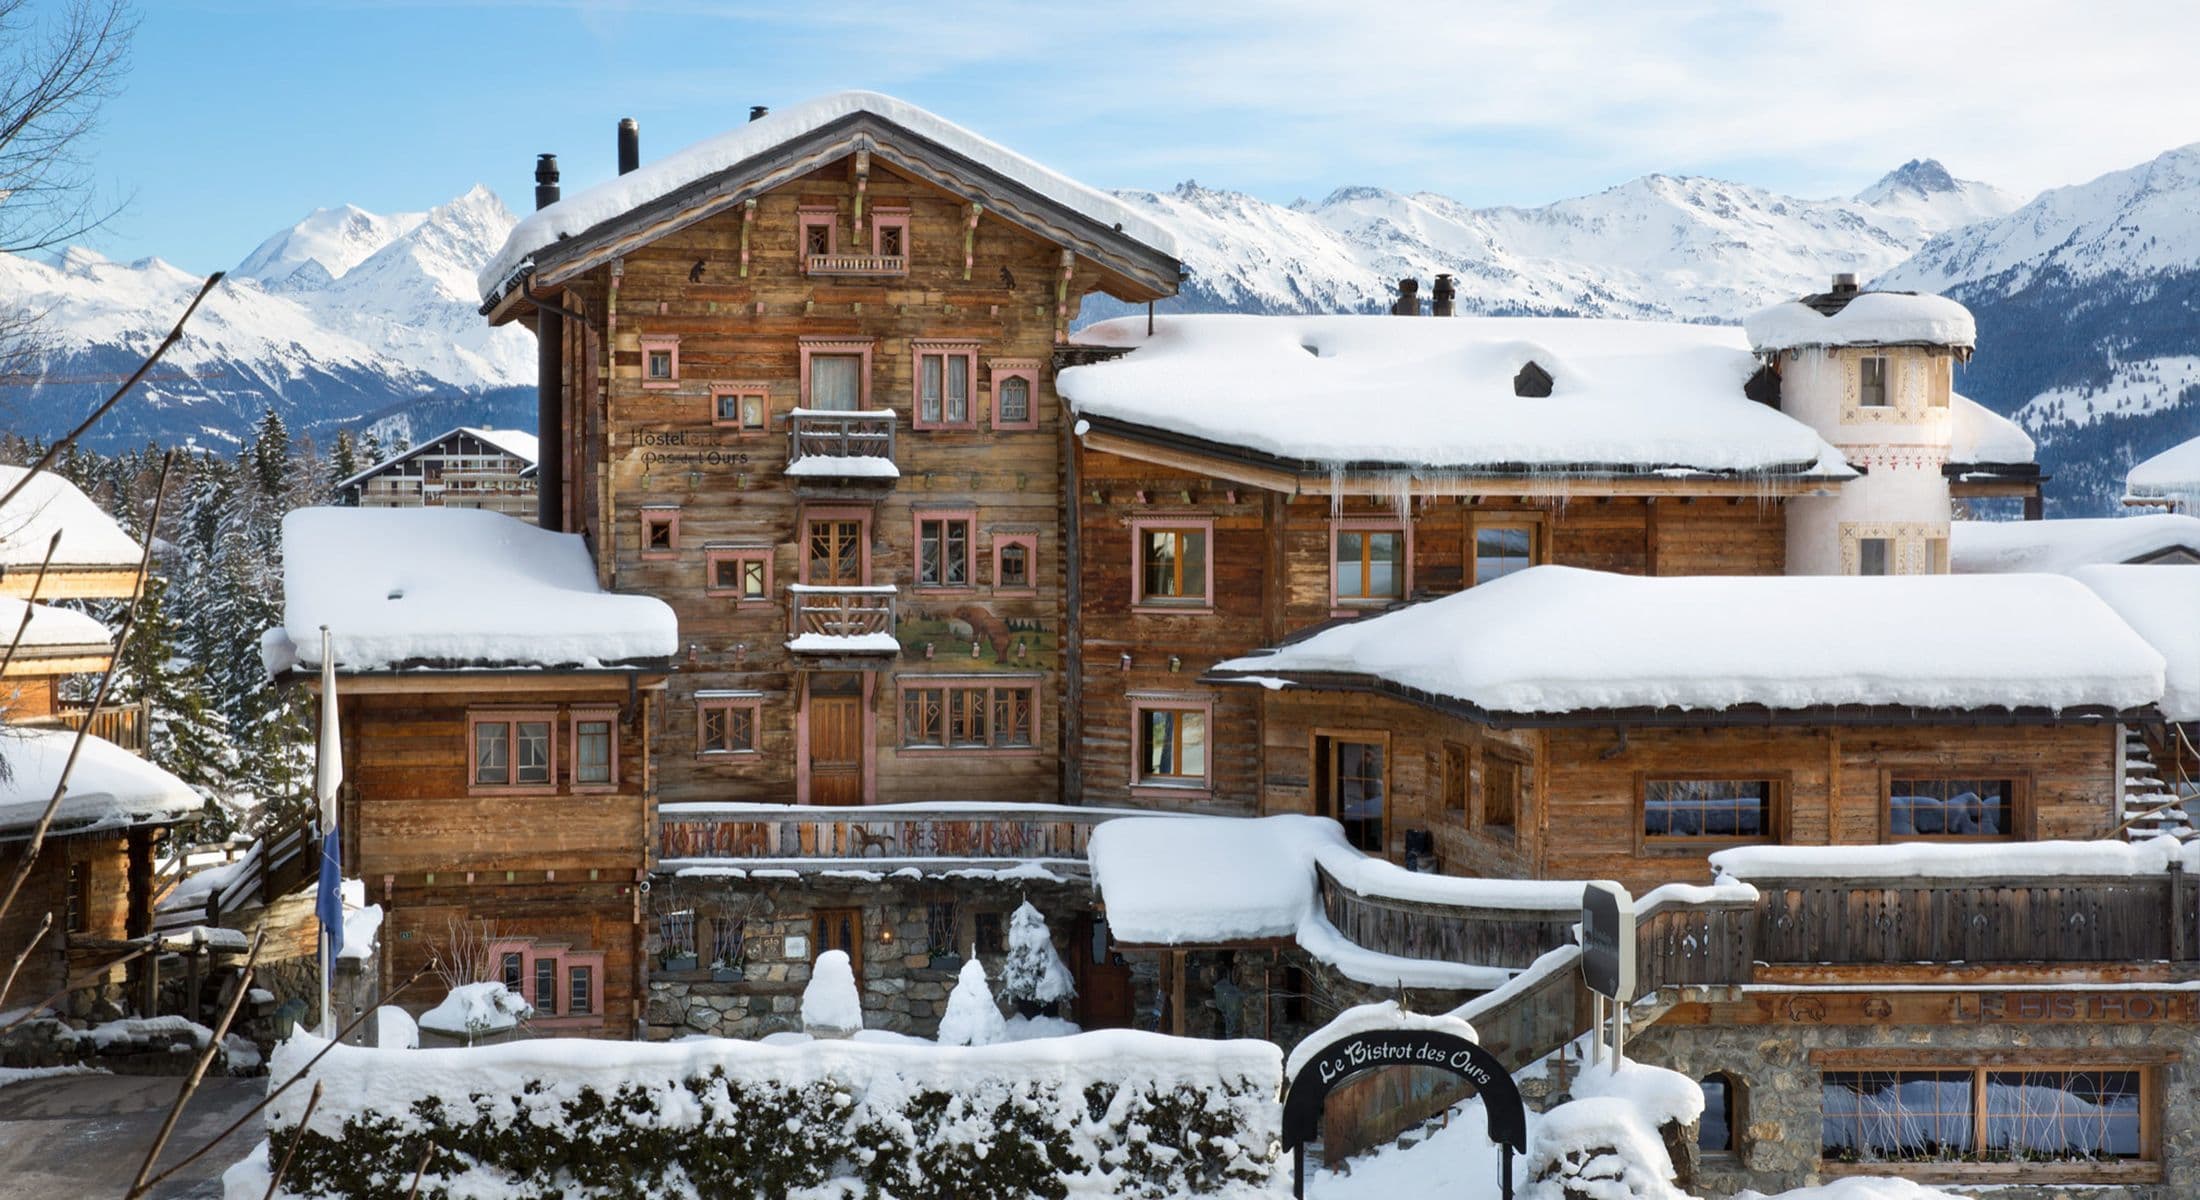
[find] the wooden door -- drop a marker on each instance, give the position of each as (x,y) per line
(1103,978)
(835,552)
(839,929)
(836,749)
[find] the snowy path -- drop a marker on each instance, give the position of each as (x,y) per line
(83,1135)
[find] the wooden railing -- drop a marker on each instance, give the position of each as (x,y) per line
(814,434)
(1493,937)
(887,831)
(842,612)
(2056,919)
(276,865)
(858,264)
(126,726)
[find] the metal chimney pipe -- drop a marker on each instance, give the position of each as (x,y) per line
(757,110)
(1446,299)
(546,180)
(630,145)
(1408,303)
(1844,284)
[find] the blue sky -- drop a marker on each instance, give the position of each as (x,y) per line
(240,116)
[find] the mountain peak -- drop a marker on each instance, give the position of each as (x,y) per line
(1923,176)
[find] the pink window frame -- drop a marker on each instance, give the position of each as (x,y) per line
(719,391)
(511,717)
(999,371)
(574,717)
(651,515)
(755,705)
(1030,543)
(830,512)
(807,216)
(565,961)
(903,685)
(713,555)
(1143,703)
(969,518)
(923,348)
(860,347)
(881,218)
(1346,605)
(660,341)
(1139,602)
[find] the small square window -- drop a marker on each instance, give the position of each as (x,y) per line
(1172,564)
(660,533)
(660,364)
(743,575)
(726,725)
(513,750)
(660,361)
(1172,745)
(747,409)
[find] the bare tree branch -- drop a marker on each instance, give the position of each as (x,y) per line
(69,985)
(30,605)
(198,1069)
(55,77)
(276,1181)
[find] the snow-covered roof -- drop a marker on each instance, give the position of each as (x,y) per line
(1438,394)
(2163,604)
(449,587)
(1945,860)
(49,628)
(584,210)
(1870,319)
(1978,434)
(89,537)
(109,788)
(516,442)
(2059,546)
(1553,639)
(2174,474)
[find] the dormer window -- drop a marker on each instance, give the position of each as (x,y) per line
(1532,381)
(1871,381)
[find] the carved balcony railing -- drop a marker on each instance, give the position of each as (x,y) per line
(738,833)
(858,264)
(843,619)
(828,443)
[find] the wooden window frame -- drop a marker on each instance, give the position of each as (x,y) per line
(1142,784)
(562,961)
(668,343)
(859,513)
(883,218)
(1325,789)
(1142,603)
(652,515)
(1001,370)
(1463,813)
(2147,1062)
(609,714)
(1776,811)
(741,392)
(2020,801)
(715,555)
(1539,541)
(917,520)
(1523,765)
(510,717)
(707,702)
(943,349)
(1888,394)
(906,689)
(818,917)
(807,217)
(810,347)
(1030,543)
(1342,605)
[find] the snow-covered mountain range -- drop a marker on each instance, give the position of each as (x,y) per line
(2084,296)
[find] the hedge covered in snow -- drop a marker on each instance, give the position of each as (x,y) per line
(1117,1112)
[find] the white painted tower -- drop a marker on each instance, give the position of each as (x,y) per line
(1873,373)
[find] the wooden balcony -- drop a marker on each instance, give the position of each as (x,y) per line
(841,445)
(126,725)
(2056,919)
(842,620)
(857,264)
(937,835)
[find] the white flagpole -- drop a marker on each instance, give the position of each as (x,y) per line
(328,775)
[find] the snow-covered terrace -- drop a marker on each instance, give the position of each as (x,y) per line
(1436,396)
(1552,641)
(447,588)
(109,788)
(2061,546)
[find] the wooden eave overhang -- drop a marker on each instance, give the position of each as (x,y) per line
(1744,715)
(1133,271)
(1300,476)
(71,581)
(33,661)
(1972,480)
(642,676)
(98,828)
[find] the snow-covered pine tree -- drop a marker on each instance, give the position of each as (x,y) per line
(371,450)
(972,1017)
(343,462)
(270,453)
(1035,978)
(831,1007)
(187,735)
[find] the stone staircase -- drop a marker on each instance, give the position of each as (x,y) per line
(2152,805)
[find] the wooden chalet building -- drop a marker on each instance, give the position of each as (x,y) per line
(490,469)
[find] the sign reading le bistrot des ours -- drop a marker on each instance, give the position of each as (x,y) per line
(1373,1049)
(1608,940)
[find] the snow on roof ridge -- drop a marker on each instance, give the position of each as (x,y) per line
(585,209)
(50,626)
(109,788)
(1871,319)
(2170,474)
(1558,639)
(50,503)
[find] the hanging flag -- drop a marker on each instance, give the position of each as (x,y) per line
(328,775)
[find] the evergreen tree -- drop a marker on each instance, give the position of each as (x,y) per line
(187,736)
(1034,977)
(270,453)
(343,462)
(371,450)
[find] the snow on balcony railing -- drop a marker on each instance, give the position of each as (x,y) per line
(842,619)
(832,442)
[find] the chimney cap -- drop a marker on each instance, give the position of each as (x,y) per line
(629,123)
(546,166)
(758,110)
(1845,281)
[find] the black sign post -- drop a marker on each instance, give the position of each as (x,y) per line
(1358,1053)
(1608,940)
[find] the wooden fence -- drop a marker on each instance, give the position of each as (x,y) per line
(1484,936)
(2057,919)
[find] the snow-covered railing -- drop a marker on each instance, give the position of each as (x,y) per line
(820,433)
(858,264)
(1495,933)
(899,833)
(125,725)
(852,612)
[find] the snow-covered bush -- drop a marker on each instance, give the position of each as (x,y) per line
(972,1018)
(1603,1148)
(476,1010)
(830,1006)
(1034,977)
(1118,1112)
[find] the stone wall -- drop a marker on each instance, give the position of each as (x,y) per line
(905,978)
(1780,1114)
